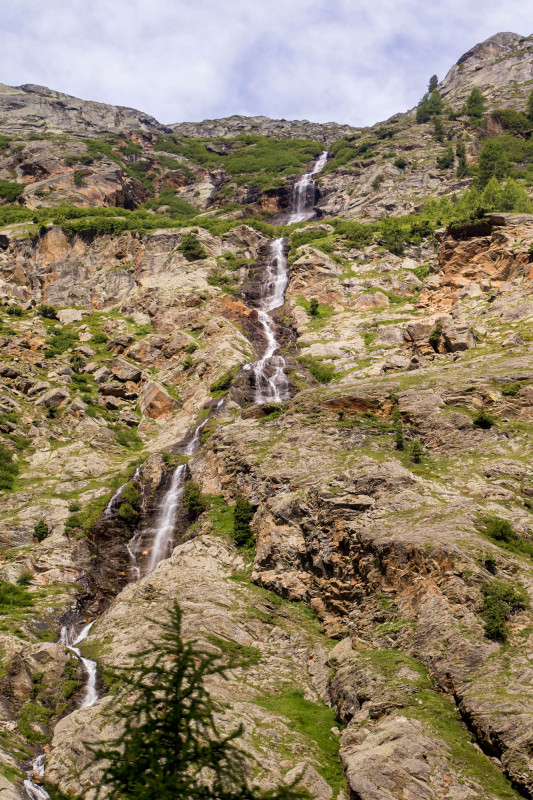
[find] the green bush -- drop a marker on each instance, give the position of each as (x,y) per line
(313,307)
(400,162)
(447,159)
(187,361)
(41,530)
(511,389)
(191,247)
(74,506)
(127,437)
(324,373)
(511,120)
(76,362)
(243,513)
(193,500)
(416,452)
(8,469)
(77,520)
(14,311)
(483,420)
(99,338)
(500,601)
(25,578)
(191,348)
(434,336)
(58,341)
(9,190)
(48,312)
(127,512)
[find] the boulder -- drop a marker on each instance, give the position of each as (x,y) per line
(458,336)
(68,315)
(102,375)
(53,399)
(155,402)
(125,371)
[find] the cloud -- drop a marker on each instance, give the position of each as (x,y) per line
(355,61)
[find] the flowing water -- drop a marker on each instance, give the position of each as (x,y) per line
(303,193)
(271,383)
(33,790)
(166,522)
(71,640)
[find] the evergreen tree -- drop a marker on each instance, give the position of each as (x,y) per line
(423,113)
(447,159)
(529,111)
(438,129)
(435,104)
(433,83)
(416,452)
(170,747)
(193,500)
(313,307)
(243,513)
(475,105)
(460,152)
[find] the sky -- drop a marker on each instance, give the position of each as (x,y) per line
(350,61)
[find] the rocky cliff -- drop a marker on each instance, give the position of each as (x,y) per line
(381,622)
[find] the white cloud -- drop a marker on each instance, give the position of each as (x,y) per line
(355,61)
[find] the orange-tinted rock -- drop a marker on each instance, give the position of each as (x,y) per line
(155,402)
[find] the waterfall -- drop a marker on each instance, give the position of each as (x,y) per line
(164,529)
(69,639)
(303,193)
(33,790)
(271,383)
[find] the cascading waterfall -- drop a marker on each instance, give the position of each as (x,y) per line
(303,193)
(166,522)
(71,640)
(271,383)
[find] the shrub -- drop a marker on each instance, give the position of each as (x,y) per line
(313,307)
(41,530)
(127,437)
(191,348)
(447,159)
(438,129)
(25,578)
(73,507)
(9,190)
(400,162)
(48,312)
(75,521)
(378,180)
(99,338)
(511,389)
(500,601)
(187,361)
(434,336)
(76,362)
(14,311)
(323,372)
(58,341)
(243,513)
(8,469)
(356,233)
(512,120)
(483,420)
(127,513)
(78,178)
(193,500)
(191,247)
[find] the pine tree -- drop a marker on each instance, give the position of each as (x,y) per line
(438,129)
(529,111)
(460,152)
(475,105)
(170,747)
(416,452)
(243,512)
(313,307)
(433,83)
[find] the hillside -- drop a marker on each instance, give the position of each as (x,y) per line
(330,327)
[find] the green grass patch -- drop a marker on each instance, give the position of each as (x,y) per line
(237,655)
(314,723)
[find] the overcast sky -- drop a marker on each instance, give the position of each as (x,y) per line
(353,61)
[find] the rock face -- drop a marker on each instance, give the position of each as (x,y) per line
(382,623)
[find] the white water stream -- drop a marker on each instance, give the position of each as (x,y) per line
(303,193)
(271,383)
(166,521)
